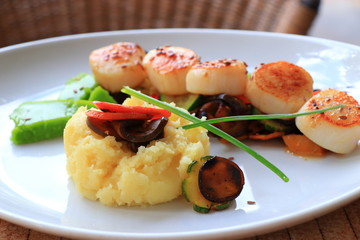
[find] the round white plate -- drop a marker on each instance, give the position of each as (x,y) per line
(34,188)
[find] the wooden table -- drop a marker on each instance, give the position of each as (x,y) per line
(342,224)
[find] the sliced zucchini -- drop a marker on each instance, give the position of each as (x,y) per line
(274,125)
(188,101)
(201,209)
(191,190)
(221,206)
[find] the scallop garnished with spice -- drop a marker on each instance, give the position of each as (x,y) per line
(219,76)
(118,65)
(279,87)
(167,68)
(336,130)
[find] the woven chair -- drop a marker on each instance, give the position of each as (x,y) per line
(26,20)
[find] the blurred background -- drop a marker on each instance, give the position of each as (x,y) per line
(26,20)
(338,20)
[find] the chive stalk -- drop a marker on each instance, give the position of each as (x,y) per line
(210,128)
(259,117)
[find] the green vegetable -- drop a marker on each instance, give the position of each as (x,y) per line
(37,121)
(258,117)
(191,191)
(188,101)
(221,206)
(210,128)
(78,87)
(273,125)
(100,94)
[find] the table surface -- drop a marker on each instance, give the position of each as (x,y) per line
(342,224)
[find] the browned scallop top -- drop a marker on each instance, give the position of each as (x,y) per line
(346,117)
(168,59)
(283,79)
(221,63)
(119,52)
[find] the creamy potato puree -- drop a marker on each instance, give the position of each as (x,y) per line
(106,170)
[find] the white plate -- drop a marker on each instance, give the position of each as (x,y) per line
(34,188)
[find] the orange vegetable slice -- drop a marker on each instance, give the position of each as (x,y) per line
(300,145)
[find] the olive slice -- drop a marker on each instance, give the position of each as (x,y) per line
(238,107)
(101,127)
(224,105)
(119,96)
(140,131)
(220,180)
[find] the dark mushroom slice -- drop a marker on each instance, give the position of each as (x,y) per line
(139,131)
(119,96)
(224,105)
(217,109)
(220,180)
(135,146)
(101,127)
(134,132)
(237,106)
(209,109)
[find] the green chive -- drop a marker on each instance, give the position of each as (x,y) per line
(210,128)
(258,117)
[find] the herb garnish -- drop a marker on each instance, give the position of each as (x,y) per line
(207,125)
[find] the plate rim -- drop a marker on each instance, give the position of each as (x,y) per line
(71,37)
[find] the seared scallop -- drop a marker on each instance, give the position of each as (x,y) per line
(167,67)
(219,76)
(279,87)
(336,130)
(118,65)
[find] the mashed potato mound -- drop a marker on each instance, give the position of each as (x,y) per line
(106,170)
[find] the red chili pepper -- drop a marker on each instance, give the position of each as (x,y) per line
(243,98)
(316,92)
(102,127)
(117,108)
(117,115)
(156,96)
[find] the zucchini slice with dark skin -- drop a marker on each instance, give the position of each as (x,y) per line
(188,101)
(212,183)
(220,180)
(276,125)
(190,188)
